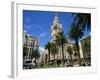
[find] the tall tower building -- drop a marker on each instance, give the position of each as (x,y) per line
(55,28)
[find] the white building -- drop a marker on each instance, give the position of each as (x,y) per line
(30,42)
(56,27)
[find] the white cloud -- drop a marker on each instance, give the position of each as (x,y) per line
(43,34)
(27,19)
(29,26)
(25,31)
(38,26)
(42,50)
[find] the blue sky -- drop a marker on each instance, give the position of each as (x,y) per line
(38,23)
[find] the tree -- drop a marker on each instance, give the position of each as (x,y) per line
(54,49)
(70,51)
(75,51)
(83,20)
(60,39)
(86,47)
(48,46)
(75,34)
(35,54)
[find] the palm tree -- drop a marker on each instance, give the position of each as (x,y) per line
(86,47)
(48,46)
(54,49)
(75,34)
(83,20)
(75,50)
(70,51)
(86,50)
(35,54)
(60,39)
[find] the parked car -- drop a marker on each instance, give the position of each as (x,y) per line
(28,64)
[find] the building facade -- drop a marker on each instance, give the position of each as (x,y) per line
(56,28)
(30,42)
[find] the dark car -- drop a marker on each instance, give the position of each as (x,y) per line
(27,64)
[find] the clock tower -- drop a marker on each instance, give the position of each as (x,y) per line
(55,28)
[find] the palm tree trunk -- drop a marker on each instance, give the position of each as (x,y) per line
(35,61)
(54,59)
(71,61)
(54,56)
(49,57)
(77,45)
(62,54)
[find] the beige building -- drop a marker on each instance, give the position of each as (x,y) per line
(30,42)
(56,27)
